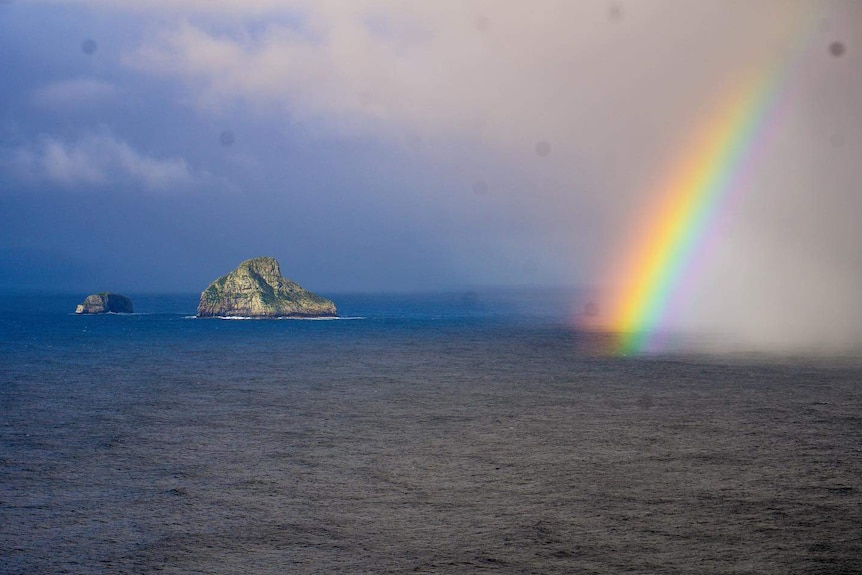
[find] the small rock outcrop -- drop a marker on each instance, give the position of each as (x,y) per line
(105,303)
(257,289)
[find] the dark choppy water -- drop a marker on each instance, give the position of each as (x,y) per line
(435,436)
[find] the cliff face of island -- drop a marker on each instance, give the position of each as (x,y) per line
(257,289)
(105,303)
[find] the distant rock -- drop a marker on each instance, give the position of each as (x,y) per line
(257,289)
(105,303)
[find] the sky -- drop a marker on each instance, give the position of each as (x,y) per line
(398,145)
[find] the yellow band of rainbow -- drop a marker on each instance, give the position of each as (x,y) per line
(705,178)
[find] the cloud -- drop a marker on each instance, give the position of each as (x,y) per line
(94,161)
(75,93)
(513,79)
(603,100)
(55,162)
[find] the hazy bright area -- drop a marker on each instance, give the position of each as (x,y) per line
(382,145)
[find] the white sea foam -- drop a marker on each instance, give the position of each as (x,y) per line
(105,313)
(133,313)
(323,318)
(243,317)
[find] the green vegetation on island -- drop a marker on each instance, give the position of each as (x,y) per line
(256,288)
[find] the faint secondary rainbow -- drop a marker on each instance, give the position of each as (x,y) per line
(705,178)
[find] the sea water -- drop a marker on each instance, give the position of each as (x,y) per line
(454,433)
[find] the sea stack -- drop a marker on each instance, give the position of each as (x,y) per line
(105,303)
(257,289)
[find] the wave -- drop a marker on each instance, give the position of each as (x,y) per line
(136,313)
(242,317)
(106,313)
(324,318)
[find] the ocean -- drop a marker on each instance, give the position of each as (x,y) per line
(447,433)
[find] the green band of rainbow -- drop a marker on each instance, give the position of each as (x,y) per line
(705,179)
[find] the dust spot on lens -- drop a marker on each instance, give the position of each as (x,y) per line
(482,23)
(226,138)
(591,309)
(837,140)
(615,13)
(837,49)
(543,149)
(480,187)
(89,46)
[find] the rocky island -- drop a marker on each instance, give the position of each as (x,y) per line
(257,289)
(105,303)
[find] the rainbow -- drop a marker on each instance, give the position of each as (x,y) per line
(703,182)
